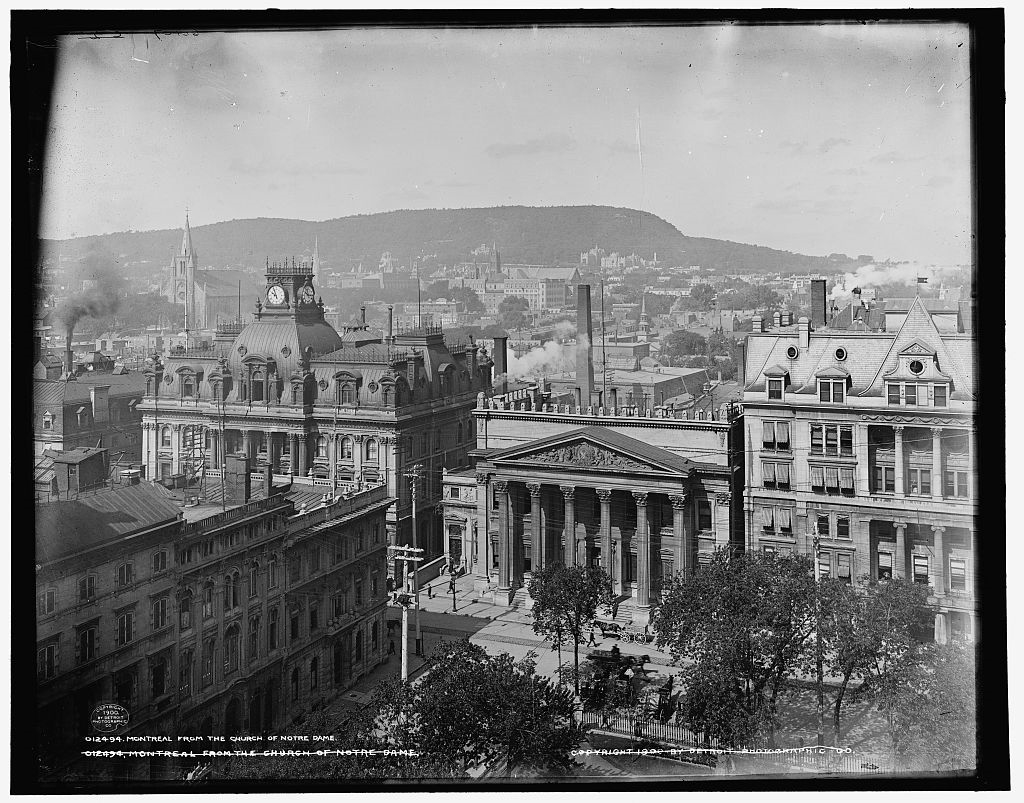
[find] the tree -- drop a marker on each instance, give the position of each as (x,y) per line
(947,723)
(682,343)
(474,710)
(745,621)
(565,600)
(467,297)
(513,312)
(865,628)
(703,295)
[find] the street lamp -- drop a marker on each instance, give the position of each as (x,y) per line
(451,587)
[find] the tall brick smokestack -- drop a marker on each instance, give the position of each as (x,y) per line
(584,339)
(817,303)
(500,358)
(69,357)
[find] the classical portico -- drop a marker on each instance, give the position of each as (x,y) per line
(596,497)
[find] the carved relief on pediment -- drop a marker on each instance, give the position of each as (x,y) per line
(587,455)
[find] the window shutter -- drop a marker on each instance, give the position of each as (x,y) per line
(769,432)
(785,518)
(768,471)
(817,476)
(846,479)
(782,433)
(831,477)
(783,473)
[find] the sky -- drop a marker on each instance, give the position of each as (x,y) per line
(815,139)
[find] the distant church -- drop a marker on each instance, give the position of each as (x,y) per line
(213,296)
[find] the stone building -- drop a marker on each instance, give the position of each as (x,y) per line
(207,620)
(642,491)
(348,410)
(866,439)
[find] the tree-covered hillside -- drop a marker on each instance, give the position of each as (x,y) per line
(535,235)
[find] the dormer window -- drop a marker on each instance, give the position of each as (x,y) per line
(188,386)
(832,390)
(939,397)
(47,420)
(83,416)
(775,389)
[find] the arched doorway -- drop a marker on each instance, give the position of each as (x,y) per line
(232,718)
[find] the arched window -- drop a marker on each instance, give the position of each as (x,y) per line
(231,639)
(254,638)
(236,583)
(387,394)
(228,593)
(295,683)
(165,436)
(272,571)
(257,386)
(371,450)
(348,392)
(208,600)
(346,448)
(185,611)
(254,575)
(321,446)
(188,386)
(424,443)
(272,628)
(460,432)
(314,673)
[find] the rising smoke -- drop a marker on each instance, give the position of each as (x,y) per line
(550,359)
(876,275)
(96,289)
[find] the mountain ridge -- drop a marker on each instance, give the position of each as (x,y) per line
(524,234)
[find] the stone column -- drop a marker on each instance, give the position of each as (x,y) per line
(939,567)
(899,460)
(604,495)
(643,560)
(175,447)
(937,463)
(972,474)
(569,531)
(483,544)
(247,443)
(303,441)
(275,451)
(515,536)
(357,457)
(683,548)
(536,531)
(861,448)
(900,569)
(504,579)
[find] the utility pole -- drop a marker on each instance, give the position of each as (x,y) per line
(407,555)
(414,476)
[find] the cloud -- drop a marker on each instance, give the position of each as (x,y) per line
(551,143)
(781,205)
(848,171)
(939,181)
(279,164)
(832,142)
(803,206)
(893,157)
(710,113)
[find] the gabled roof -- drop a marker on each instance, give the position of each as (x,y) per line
(917,348)
(832,372)
(775,370)
(598,449)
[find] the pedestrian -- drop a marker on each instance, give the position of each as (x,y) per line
(615,609)
(593,640)
(391,647)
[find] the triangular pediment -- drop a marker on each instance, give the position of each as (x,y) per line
(917,349)
(597,449)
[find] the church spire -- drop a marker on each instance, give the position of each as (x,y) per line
(187,251)
(316,255)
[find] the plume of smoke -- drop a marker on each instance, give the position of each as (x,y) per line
(565,330)
(877,274)
(98,289)
(551,358)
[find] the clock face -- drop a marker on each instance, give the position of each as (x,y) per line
(307,294)
(275,295)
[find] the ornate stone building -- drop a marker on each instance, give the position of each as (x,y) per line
(349,410)
(865,439)
(635,491)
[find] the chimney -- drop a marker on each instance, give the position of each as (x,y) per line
(69,358)
(362,313)
(777,319)
(803,333)
(584,341)
(756,324)
(98,394)
(500,357)
(817,303)
(237,482)
(613,397)
(391,322)
(857,301)
(268,481)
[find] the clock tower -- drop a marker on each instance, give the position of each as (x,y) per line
(290,292)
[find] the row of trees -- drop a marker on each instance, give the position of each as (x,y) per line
(750,625)
(471,711)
